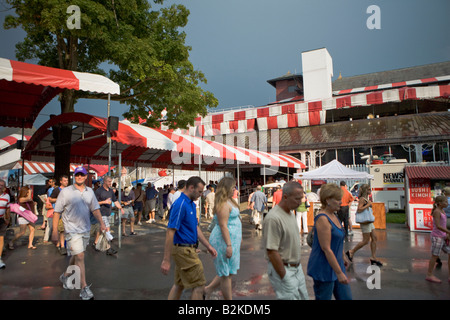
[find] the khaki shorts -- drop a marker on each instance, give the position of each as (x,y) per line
(367,227)
(60,226)
(76,243)
(189,268)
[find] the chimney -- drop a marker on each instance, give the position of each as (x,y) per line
(317,73)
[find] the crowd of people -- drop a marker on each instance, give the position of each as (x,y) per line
(77,213)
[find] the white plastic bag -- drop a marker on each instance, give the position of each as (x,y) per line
(102,243)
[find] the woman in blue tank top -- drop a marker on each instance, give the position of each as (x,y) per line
(327,260)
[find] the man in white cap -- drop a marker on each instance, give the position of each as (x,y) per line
(75,203)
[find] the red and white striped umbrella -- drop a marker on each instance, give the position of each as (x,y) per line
(26,88)
(145,146)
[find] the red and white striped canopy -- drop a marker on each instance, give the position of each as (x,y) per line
(299,114)
(34,167)
(26,88)
(11,140)
(145,146)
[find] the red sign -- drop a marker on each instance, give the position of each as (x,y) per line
(420,191)
(423,219)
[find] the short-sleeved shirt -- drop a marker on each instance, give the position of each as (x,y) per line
(281,233)
(183,218)
(259,199)
(76,207)
(102,194)
(347,197)
(210,199)
(4,203)
(54,194)
(151,193)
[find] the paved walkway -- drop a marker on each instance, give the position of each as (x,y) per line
(134,272)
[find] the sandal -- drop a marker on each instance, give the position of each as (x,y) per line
(133,233)
(32,247)
(378,263)
(348,256)
(433,279)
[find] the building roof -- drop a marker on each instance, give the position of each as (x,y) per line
(429,172)
(402,129)
(287,76)
(393,76)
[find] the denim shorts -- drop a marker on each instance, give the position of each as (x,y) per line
(128,213)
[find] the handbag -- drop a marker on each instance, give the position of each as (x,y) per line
(365,216)
(24,213)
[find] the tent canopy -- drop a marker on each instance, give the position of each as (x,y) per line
(26,88)
(145,146)
(333,171)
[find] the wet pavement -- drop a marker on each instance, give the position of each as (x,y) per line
(134,273)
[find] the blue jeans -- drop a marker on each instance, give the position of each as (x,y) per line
(324,290)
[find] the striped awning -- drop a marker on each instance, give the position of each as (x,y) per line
(302,114)
(34,167)
(146,147)
(428,172)
(11,140)
(26,88)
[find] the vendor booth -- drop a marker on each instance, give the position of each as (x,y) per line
(423,184)
(337,171)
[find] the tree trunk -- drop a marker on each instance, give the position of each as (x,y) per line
(62,135)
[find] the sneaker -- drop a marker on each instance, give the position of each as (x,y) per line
(111,251)
(63,279)
(86,293)
(2,264)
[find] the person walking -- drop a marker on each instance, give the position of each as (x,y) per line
(183,234)
(281,239)
(276,198)
(301,215)
(226,237)
(343,213)
(367,228)
(327,261)
(259,200)
(127,205)
(63,183)
(25,201)
(138,206)
(106,196)
(74,204)
(210,203)
(5,216)
(151,195)
(440,236)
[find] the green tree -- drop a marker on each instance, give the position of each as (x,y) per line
(143,47)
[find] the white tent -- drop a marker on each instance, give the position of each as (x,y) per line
(333,171)
(34,180)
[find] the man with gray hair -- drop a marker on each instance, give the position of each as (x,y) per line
(281,238)
(259,201)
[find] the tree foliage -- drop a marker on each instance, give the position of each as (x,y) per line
(143,48)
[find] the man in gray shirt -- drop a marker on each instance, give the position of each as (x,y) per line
(259,201)
(75,203)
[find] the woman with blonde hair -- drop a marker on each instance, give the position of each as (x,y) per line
(367,229)
(225,237)
(26,201)
(327,260)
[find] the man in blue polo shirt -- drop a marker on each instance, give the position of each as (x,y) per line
(183,235)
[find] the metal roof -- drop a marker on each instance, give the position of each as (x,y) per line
(429,172)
